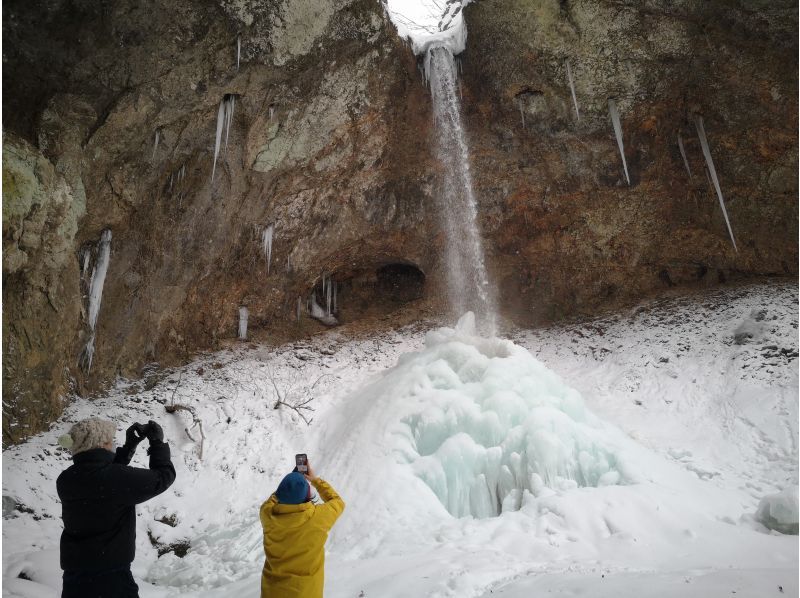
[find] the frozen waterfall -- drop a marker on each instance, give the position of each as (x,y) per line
(467,279)
(96,284)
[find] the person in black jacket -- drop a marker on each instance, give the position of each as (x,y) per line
(98,496)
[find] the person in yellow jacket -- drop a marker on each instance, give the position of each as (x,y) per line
(295,531)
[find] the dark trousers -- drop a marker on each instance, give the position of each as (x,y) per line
(116,583)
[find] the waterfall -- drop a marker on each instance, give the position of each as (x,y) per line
(467,281)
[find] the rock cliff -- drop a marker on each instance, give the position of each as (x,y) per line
(111,112)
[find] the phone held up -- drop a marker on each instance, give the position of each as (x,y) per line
(301,461)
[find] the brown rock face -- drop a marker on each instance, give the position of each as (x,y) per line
(329,143)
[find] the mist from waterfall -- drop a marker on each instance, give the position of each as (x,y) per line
(467,281)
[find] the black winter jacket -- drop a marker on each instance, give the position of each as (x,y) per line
(98,493)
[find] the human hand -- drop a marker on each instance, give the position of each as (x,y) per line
(134,435)
(154,432)
(310,475)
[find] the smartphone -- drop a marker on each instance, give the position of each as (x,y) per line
(301,461)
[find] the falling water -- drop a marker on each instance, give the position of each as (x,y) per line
(467,280)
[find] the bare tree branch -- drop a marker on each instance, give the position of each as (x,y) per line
(197,422)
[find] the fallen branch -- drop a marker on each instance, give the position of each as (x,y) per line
(178,407)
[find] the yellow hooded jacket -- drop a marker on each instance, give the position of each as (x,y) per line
(294,544)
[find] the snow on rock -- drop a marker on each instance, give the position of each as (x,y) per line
(427,25)
(779,511)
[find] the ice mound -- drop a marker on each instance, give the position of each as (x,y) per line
(779,511)
(492,422)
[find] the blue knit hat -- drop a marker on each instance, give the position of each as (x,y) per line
(293,489)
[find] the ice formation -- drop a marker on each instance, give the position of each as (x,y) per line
(96,284)
(155,143)
(85,257)
(572,89)
(99,277)
(266,244)
(320,314)
(229,117)
(238,50)
(427,24)
(683,155)
(701,132)
(224,120)
(329,296)
(467,279)
(488,423)
(612,108)
(243,315)
(779,511)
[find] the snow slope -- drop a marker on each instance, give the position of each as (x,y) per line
(644,482)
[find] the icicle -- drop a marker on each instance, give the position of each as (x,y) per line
(335,287)
(572,89)
(87,356)
(299,307)
(701,132)
(243,315)
(238,50)
(266,244)
(182,173)
(319,314)
(220,122)
(328,298)
(521,112)
(228,118)
(288,263)
(683,155)
(271,111)
(85,256)
(95,294)
(99,277)
(612,108)
(155,145)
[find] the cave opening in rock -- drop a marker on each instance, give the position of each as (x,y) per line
(370,292)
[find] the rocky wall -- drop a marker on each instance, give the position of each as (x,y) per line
(329,143)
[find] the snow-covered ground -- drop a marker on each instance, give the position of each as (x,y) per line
(626,456)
